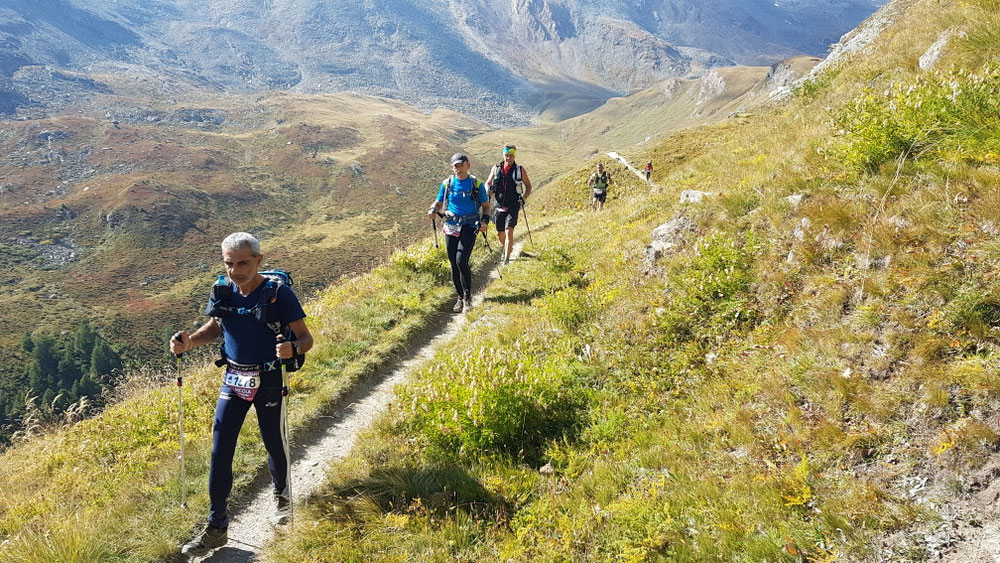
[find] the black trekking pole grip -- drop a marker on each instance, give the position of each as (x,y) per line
(281,363)
(177,338)
(434,225)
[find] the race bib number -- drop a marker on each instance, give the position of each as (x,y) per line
(244,383)
(452,229)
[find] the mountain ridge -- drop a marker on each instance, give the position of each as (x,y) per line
(504,58)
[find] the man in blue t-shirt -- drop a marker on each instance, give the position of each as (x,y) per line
(253,351)
(466,212)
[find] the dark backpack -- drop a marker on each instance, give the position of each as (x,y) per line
(505,196)
(220,306)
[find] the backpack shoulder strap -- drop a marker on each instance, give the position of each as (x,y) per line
(267,298)
(447,192)
(476,185)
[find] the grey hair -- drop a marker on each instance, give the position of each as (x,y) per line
(239,241)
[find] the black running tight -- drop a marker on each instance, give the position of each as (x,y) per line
(459,250)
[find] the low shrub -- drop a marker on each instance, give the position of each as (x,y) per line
(490,403)
(952,117)
(571,309)
(423,258)
(711,295)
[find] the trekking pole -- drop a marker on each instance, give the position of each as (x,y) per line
(490,250)
(284,436)
(525,213)
(434,225)
(180,423)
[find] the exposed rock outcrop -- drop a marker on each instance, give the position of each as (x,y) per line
(669,238)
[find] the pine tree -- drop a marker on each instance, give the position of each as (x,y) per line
(36,379)
(83,339)
(103,360)
(44,353)
(63,398)
(27,344)
(88,387)
(69,370)
(47,398)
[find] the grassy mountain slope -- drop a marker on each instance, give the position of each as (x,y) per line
(83,194)
(551,149)
(787,380)
(796,379)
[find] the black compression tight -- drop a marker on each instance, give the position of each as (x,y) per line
(459,250)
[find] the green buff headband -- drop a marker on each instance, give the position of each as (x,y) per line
(510,150)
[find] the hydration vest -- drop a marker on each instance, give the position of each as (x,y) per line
(220,307)
(600,181)
(507,187)
(477,184)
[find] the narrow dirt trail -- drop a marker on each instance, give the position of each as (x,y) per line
(973,533)
(636,171)
(251,526)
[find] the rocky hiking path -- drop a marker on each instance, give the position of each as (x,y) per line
(251,526)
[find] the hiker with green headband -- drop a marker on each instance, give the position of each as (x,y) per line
(510,187)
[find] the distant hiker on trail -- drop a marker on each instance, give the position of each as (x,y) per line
(261,323)
(599,181)
(461,196)
(649,170)
(510,188)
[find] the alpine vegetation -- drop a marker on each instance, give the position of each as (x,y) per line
(782,345)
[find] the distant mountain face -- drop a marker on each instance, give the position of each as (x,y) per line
(495,60)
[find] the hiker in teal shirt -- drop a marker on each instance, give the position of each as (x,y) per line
(466,212)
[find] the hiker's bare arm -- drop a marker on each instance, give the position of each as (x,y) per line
(433,211)
(527,183)
(485,211)
(303,340)
(207,333)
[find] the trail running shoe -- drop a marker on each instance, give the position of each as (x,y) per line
(459,306)
(282,510)
(211,538)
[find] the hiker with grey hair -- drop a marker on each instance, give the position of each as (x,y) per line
(262,325)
